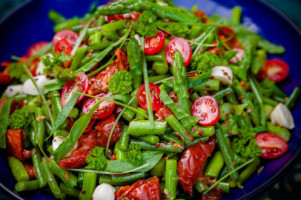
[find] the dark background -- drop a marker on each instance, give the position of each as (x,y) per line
(289,186)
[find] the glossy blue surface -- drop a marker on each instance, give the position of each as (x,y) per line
(30,24)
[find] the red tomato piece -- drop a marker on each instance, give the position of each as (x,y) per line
(30,170)
(68,35)
(63,46)
(104,127)
(104,109)
(275,70)
(81,82)
(154,44)
(143,189)
(36,48)
(191,163)
(154,93)
(271,145)
(14,142)
(206,110)
(180,44)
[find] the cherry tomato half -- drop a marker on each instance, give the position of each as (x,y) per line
(63,46)
(182,45)
(206,110)
(271,145)
(36,48)
(154,92)
(154,44)
(81,82)
(275,70)
(68,35)
(105,108)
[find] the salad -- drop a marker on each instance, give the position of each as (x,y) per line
(144,100)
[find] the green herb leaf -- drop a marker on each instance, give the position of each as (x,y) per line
(76,131)
(96,160)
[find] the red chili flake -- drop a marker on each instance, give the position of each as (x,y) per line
(84,192)
(193,129)
(186,132)
(226,114)
(168,195)
(163,145)
(230,133)
(206,92)
(233,163)
(241,97)
(226,122)
(190,138)
(207,86)
(157,145)
(165,158)
(249,111)
(228,93)
(56,95)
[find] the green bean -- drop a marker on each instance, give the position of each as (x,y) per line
(153,139)
(177,127)
(36,159)
(171,138)
(258,61)
(161,147)
(155,79)
(128,177)
(74,113)
(209,85)
(249,170)
(225,110)
(194,96)
(120,155)
(195,31)
(50,180)
(89,185)
(79,55)
(215,165)
(56,104)
(4,117)
(27,186)
(224,186)
(40,127)
(226,152)
(267,110)
(67,177)
(60,132)
(95,38)
(80,177)
(97,47)
(160,67)
(219,95)
(139,115)
(202,131)
(245,98)
(154,58)
(279,131)
(195,141)
(236,14)
(269,101)
(124,138)
(293,98)
(255,88)
(200,186)
(232,98)
(114,26)
(266,83)
(18,170)
(130,114)
(69,190)
(143,127)
(159,169)
(171,179)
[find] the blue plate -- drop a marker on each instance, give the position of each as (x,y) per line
(29,24)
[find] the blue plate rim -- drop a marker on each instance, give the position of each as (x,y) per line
(252,194)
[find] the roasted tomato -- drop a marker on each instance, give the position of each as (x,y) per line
(30,170)
(191,163)
(14,144)
(163,113)
(201,15)
(104,127)
(100,82)
(141,190)
(78,157)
